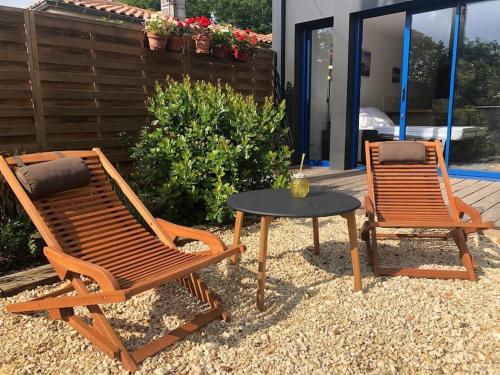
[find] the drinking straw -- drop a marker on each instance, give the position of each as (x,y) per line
(302,162)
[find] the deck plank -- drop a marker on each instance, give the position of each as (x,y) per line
(473,187)
(480,194)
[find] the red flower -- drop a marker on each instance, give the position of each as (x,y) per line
(254,40)
(248,31)
(241,37)
(180,24)
(236,52)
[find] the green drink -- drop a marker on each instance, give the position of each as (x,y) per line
(299,186)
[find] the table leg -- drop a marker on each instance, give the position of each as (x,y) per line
(237,233)
(261,274)
(353,241)
(316,235)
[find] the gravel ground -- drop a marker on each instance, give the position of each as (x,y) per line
(314,323)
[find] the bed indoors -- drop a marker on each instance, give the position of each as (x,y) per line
(371,118)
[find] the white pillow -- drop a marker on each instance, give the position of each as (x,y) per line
(372,117)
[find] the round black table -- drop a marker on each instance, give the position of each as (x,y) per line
(272,203)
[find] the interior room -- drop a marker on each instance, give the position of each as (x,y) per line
(381,63)
(410,91)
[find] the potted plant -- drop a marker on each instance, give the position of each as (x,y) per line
(201,28)
(221,41)
(156,31)
(175,30)
(243,44)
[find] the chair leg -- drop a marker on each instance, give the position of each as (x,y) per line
(101,324)
(365,236)
(374,249)
(197,288)
(316,235)
(102,335)
(458,236)
(61,313)
(237,235)
(465,256)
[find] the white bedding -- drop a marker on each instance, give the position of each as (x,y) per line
(458,133)
(374,119)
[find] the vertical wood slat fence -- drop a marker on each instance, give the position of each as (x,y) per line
(72,83)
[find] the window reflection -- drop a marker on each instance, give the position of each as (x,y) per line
(429,73)
(477,88)
(321,60)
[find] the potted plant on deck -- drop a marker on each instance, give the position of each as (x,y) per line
(156,31)
(220,42)
(244,43)
(175,29)
(200,27)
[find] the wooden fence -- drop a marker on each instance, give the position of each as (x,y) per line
(72,83)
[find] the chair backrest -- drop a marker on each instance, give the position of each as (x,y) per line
(399,189)
(88,221)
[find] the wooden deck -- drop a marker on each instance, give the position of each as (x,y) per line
(481,194)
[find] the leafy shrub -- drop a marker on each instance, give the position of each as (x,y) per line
(19,240)
(205,143)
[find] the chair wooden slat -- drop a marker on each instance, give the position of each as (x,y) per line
(90,231)
(412,196)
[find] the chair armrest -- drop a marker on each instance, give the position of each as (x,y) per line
(369,208)
(63,263)
(475,216)
(215,244)
(464,208)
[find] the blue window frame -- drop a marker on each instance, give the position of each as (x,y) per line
(304,37)
(305,97)
(410,8)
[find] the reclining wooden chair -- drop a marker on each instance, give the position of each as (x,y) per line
(404,192)
(90,232)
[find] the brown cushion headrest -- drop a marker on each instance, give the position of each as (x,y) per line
(50,177)
(401,152)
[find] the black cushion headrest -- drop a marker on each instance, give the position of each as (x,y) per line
(401,152)
(50,177)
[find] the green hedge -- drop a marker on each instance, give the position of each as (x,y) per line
(205,143)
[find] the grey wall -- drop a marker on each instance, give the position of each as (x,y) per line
(298,11)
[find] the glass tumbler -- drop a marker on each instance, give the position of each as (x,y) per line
(299,186)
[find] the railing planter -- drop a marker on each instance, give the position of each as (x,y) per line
(242,56)
(244,43)
(202,43)
(175,43)
(200,27)
(157,42)
(220,52)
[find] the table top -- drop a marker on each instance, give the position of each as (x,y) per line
(280,203)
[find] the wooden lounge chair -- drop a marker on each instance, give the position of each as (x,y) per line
(90,232)
(409,195)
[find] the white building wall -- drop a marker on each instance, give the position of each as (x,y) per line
(378,90)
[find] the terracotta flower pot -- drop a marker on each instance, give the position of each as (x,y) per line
(220,52)
(175,44)
(242,56)
(202,43)
(157,42)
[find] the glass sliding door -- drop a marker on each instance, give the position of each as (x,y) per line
(314,86)
(426,78)
(319,115)
(476,109)
(380,86)
(450,82)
